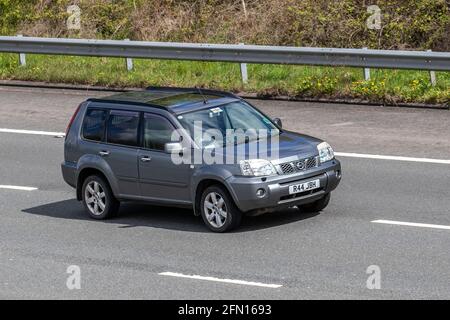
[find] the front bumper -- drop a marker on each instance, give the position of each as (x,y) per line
(276,188)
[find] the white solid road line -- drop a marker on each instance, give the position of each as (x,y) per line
(18,188)
(395,158)
(241,282)
(44,133)
(413,224)
(339,154)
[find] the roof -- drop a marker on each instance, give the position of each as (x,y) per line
(178,100)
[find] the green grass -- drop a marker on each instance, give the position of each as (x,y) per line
(389,86)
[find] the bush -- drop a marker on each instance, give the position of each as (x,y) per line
(372,89)
(12,13)
(316,86)
(419,24)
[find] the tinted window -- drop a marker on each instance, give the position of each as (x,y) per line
(157,132)
(94,124)
(123,127)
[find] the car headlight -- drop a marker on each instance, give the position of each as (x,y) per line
(326,153)
(257,167)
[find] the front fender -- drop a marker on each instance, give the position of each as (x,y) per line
(219,174)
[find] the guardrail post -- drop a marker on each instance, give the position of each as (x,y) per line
(366,70)
(244,74)
(22,57)
(129,61)
(432,75)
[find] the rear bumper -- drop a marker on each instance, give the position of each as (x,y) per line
(69,173)
(276,188)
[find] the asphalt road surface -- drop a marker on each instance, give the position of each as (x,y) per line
(152,252)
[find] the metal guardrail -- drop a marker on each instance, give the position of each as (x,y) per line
(422,60)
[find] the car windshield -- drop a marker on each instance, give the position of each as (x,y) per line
(237,118)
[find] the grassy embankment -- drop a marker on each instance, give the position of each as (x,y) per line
(411,25)
(388,86)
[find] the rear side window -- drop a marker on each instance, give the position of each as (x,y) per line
(94,124)
(157,131)
(123,127)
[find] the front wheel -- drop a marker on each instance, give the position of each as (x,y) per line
(317,205)
(98,198)
(218,210)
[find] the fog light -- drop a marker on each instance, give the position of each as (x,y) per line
(260,193)
(338,174)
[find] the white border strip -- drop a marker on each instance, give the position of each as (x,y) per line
(413,224)
(395,158)
(43,133)
(18,188)
(241,282)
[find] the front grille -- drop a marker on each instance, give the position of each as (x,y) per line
(287,168)
(299,165)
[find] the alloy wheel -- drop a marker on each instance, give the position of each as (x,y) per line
(215,209)
(95,198)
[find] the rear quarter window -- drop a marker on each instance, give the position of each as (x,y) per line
(94,124)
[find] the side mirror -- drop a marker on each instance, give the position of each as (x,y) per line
(278,122)
(173,147)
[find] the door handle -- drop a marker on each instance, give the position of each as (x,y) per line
(104,153)
(146,159)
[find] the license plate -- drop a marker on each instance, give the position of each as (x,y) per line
(302,187)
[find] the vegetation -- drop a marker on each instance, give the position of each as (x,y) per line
(385,86)
(415,25)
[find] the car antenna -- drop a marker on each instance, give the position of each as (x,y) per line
(201,93)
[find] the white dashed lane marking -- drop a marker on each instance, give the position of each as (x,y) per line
(232,281)
(18,188)
(413,224)
(42,133)
(394,158)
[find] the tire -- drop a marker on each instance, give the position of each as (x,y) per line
(214,202)
(317,205)
(98,199)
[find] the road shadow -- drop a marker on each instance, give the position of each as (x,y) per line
(144,215)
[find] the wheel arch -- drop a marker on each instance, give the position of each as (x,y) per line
(86,172)
(202,185)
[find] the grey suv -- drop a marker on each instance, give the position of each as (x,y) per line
(140,146)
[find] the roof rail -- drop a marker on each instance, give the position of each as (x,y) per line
(193,90)
(126,102)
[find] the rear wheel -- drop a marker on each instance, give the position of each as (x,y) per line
(98,198)
(218,210)
(316,206)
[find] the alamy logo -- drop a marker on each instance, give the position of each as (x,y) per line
(74,280)
(213,146)
(374,20)
(74,19)
(374,280)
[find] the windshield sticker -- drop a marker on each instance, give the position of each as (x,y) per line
(215,112)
